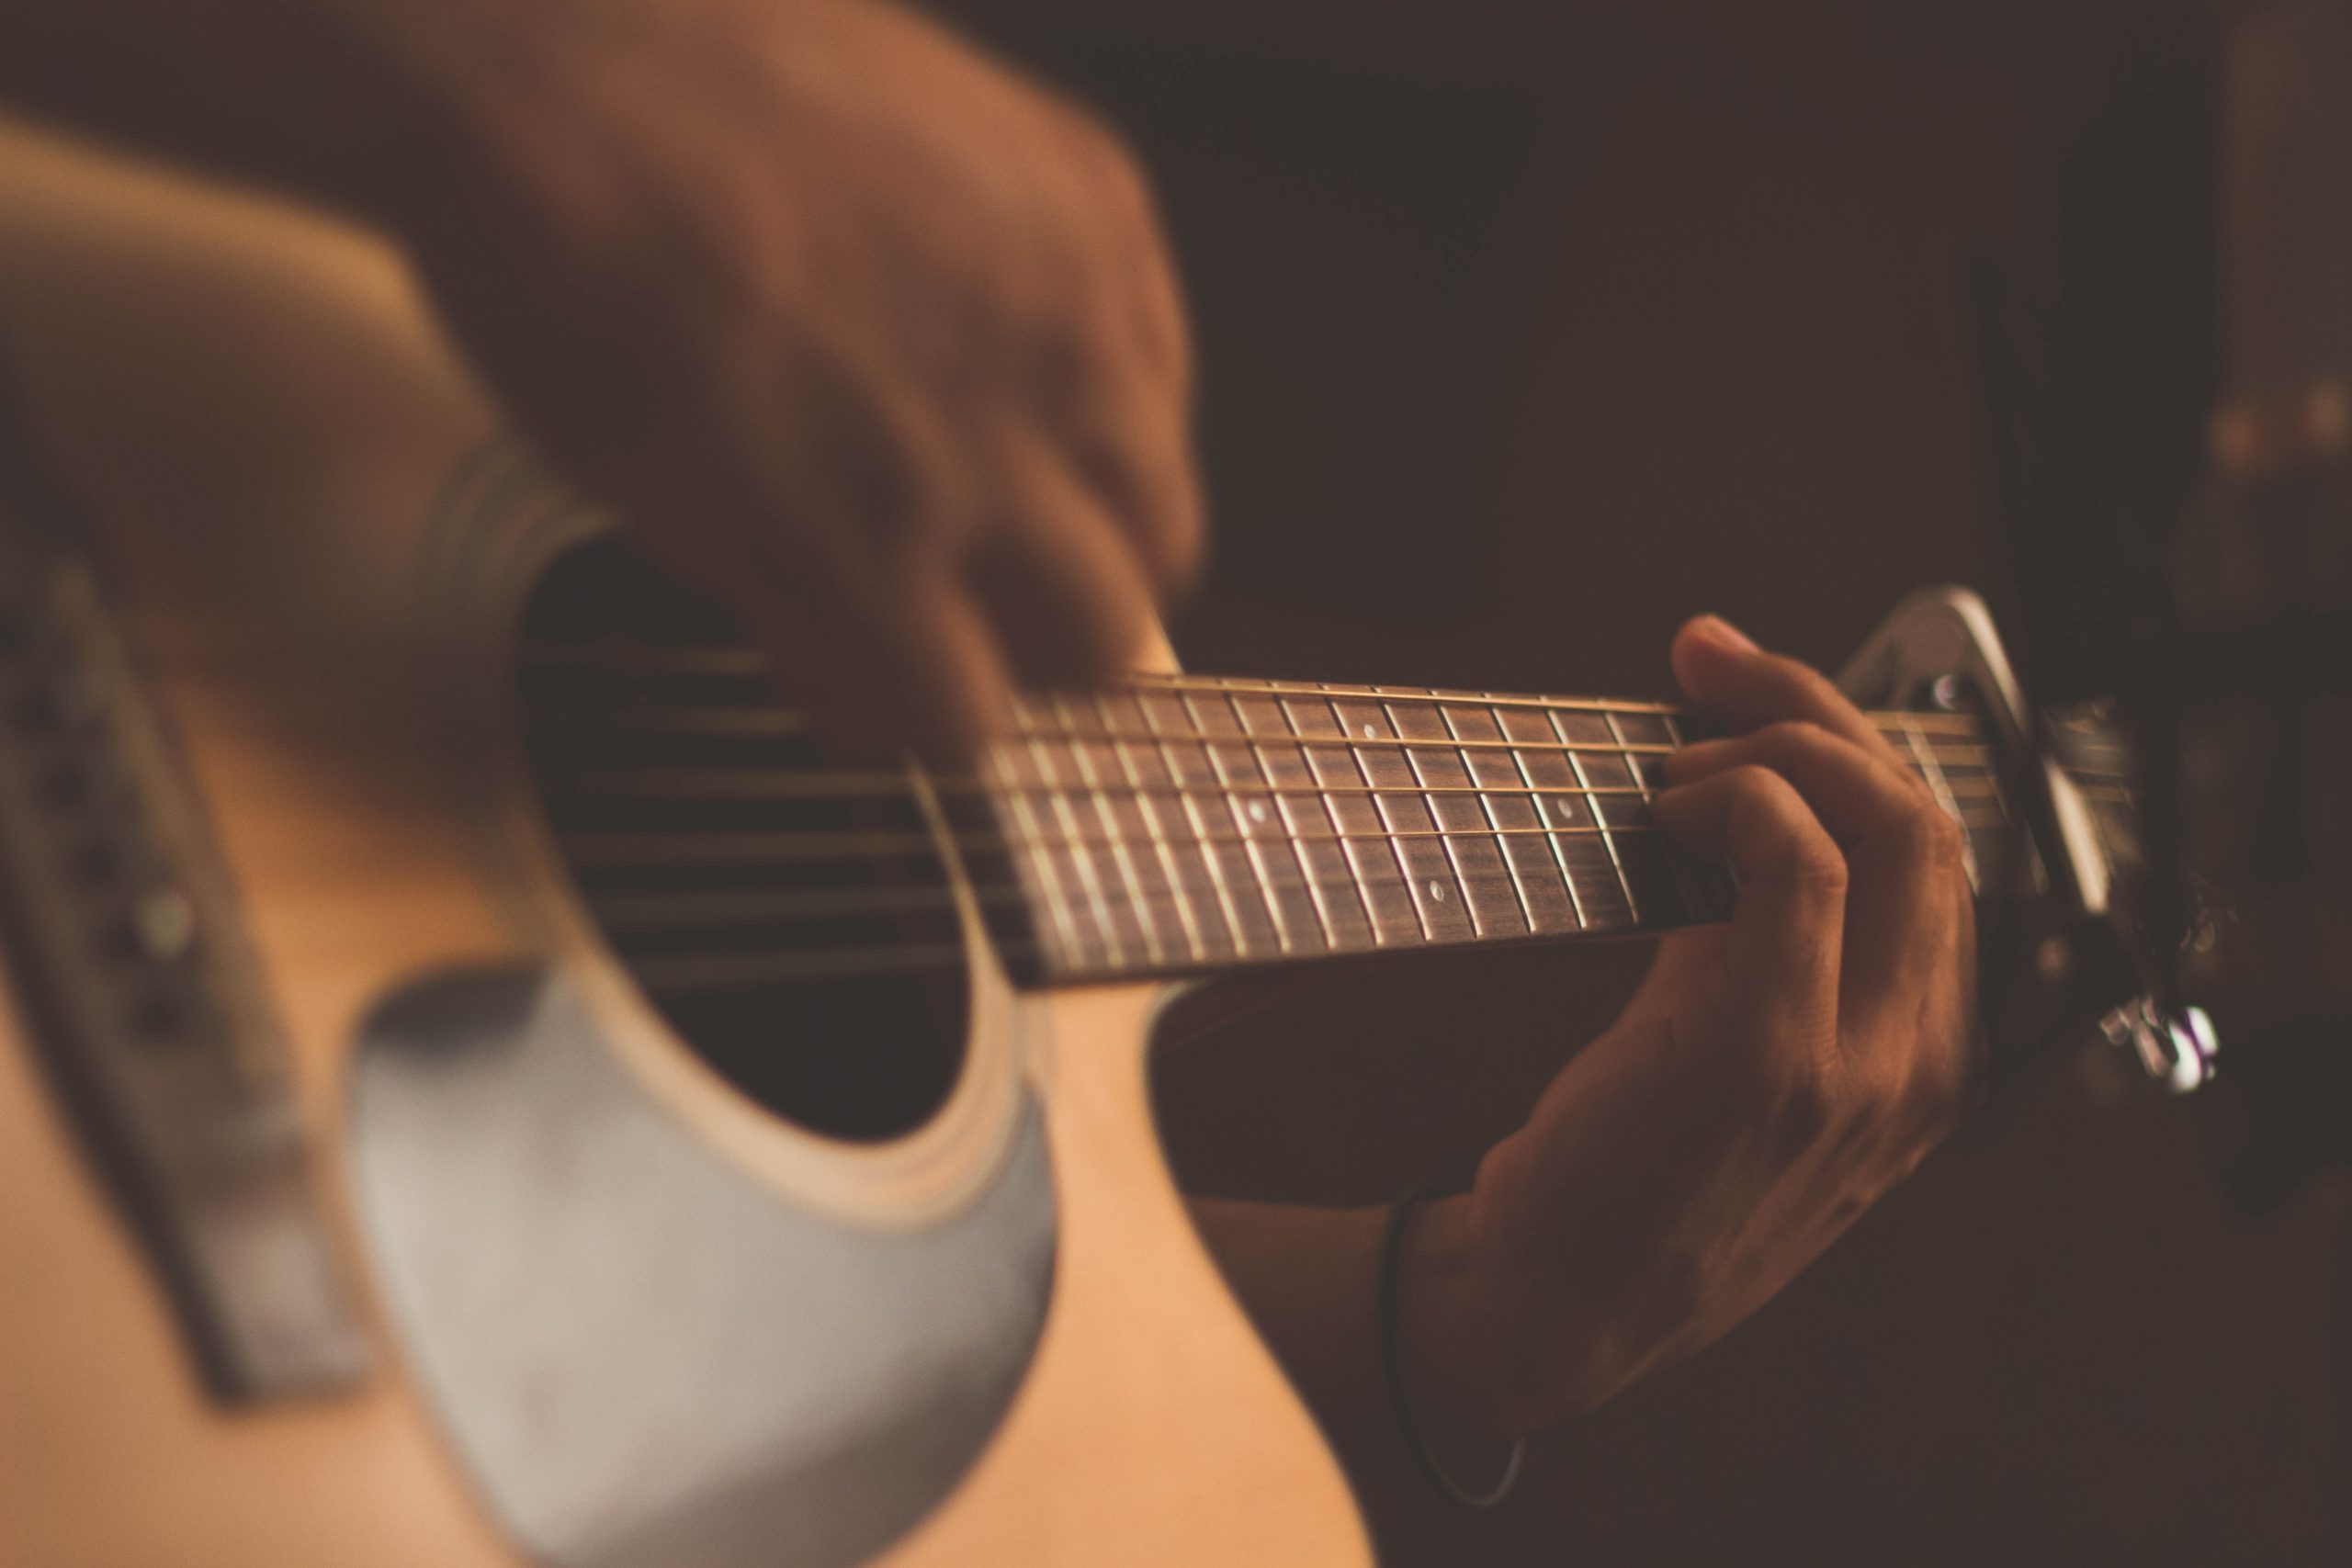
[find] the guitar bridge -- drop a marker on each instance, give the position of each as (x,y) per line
(131,977)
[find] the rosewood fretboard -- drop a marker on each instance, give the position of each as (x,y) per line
(1172,825)
(1183,823)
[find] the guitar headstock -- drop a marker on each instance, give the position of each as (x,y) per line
(2055,847)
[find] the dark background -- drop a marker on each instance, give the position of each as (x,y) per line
(1529,329)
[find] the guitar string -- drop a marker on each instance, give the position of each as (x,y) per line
(644,850)
(683,719)
(1961,758)
(627,912)
(737,968)
(697,785)
(739,662)
(787,784)
(743,968)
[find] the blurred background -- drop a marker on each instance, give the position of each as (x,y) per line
(1529,327)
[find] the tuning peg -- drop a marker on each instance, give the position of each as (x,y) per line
(2175,1046)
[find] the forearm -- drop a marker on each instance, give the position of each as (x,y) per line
(1310,1279)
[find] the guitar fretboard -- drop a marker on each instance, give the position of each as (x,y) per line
(1180,824)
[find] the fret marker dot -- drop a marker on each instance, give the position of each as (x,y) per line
(1257,811)
(1437,892)
(1369,733)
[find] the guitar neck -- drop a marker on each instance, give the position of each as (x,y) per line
(1184,824)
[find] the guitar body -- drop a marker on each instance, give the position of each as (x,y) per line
(267,430)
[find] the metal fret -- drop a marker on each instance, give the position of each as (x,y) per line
(1660,892)
(1447,835)
(1699,899)
(1426,875)
(1371,775)
(1227,683)
(729,660)
(1315,880)
(1337,921)
(1515,802)
(1145,920)
(1186,914)
(1607,837)
(1924,758)
(1041,863)
(1494,818)
(1540,801)
(1380,878)
(1323,803)
(1359,759)
(1209,857)
(1306,918)
(1402,742)
(1082,855)
(757,783)
(1283,940)
(691,846)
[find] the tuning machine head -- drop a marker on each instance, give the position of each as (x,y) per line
(2175,1046)
(2063,953)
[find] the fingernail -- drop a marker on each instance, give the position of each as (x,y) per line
(1725,635)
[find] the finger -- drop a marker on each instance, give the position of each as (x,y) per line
(1134,451)
(919,667)
(1124,423)
(1114,385)
(1781,955)
(1722,671)
(1853,789)
(1061,587)
(1907,888)
(1143,286)
(1686,959)
(882,664)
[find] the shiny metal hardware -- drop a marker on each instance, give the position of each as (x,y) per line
(2176,1048)
(2058,953)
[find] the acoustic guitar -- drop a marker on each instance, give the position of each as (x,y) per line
(476,1087)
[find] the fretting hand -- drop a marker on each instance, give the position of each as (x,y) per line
(1768,1083)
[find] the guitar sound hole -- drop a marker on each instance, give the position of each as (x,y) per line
(789,919)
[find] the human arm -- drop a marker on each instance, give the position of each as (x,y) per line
(856,327)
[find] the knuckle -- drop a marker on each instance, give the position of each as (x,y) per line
(1816,863)
(1937,1093)
(1935,839)
(1807,856)
(1792,734)
(1914,784)
(1930,1102)
(1880,1095)
(1757,787)
(1803,1111)
(1794,1100)
(1803,683)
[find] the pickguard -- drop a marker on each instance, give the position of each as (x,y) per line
(647,1357)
